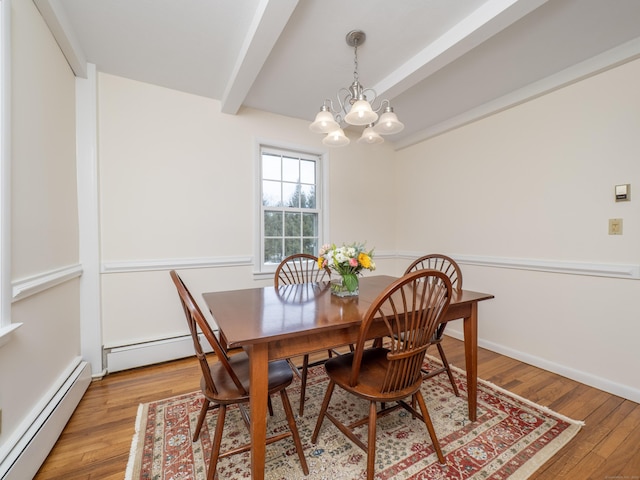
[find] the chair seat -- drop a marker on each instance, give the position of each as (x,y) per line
(372,374)
(280,376)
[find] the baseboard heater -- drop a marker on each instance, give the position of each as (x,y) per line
(31,444)
(148,353)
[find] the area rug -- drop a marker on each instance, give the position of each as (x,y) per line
(511,438)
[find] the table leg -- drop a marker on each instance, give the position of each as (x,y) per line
(471,359)
(258,361)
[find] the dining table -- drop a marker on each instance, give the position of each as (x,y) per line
(272,323)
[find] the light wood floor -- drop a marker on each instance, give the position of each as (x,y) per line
(95,443)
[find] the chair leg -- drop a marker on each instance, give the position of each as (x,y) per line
(371,445)
(323,411)
(294,430)
(303,382)
(448,368)
(217,442)
(201,417)
(429,424)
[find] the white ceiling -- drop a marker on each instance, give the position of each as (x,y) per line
(441,63)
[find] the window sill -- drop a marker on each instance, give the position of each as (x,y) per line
(5,332)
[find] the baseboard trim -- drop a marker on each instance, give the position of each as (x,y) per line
(148,353)
(624,391)
(28,448)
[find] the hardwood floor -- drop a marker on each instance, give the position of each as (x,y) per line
(95,443)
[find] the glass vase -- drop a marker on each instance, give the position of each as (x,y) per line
(340,287)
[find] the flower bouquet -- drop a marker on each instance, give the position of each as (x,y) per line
(347,261)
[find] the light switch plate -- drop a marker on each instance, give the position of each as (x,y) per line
(615,226)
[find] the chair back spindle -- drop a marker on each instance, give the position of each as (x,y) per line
(300,268)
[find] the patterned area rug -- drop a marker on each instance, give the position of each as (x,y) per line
(511,438)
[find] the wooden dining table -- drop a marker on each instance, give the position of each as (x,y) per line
(274,323)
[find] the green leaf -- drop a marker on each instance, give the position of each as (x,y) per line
(350,281)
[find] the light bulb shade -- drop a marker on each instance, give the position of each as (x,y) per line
(324,123)
(337,138)
(389,124)
(361,114)
(370,136)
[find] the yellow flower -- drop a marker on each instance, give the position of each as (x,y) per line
(364,260)
(320,262)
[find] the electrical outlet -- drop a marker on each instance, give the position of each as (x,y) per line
(615,226)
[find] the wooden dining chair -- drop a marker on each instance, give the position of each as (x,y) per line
(408,311)
(226,382)
(448,266)
(301,268)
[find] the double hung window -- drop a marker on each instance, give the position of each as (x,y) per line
(290,214)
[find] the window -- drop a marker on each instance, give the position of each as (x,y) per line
(290,212)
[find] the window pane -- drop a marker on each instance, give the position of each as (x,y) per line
(290,169)
(310,246)
(291,194)
(273,224)
(309,225)
(292,224)
(271,194)
(291,246)
(273,250)
(307,172)
(271,167)
(307,196)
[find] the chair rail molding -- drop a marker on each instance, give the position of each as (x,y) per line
(26,287)
(174,264)
(614,270)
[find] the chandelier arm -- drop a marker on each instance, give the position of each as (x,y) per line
(343,102)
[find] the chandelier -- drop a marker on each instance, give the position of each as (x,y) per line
(355,109)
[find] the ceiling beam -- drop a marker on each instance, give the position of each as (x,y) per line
(268,23)
(56,19)
(612,58)
(493,17)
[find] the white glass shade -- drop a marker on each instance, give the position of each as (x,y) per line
(361,114)
(324,123)
(337,138)
(389,124)
(370,136)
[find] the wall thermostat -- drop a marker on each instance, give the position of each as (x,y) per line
(623,192)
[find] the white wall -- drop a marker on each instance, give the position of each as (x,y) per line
(39,356)
(536,184)
(177,180)
(533,184)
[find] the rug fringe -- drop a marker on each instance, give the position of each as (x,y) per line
(134,444)
(580,423)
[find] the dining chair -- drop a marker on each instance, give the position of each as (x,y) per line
(448,266)
(407,311)
(301,268)
(226,382)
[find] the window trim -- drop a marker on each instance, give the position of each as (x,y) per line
(259,270)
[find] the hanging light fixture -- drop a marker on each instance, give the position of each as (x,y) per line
(355,109)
